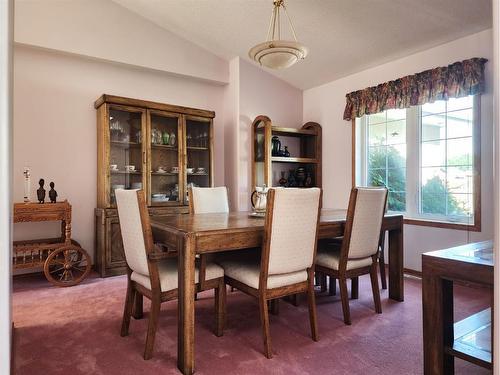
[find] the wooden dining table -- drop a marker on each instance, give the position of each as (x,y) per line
(193,234)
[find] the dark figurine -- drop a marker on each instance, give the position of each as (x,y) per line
(41,191)
(291,179)
(300,176)
(52,193)
(308,182)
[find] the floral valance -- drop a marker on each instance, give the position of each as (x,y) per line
(453,81)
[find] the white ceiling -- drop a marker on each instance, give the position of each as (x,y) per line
(343,36)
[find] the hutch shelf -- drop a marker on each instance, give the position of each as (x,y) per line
(160,148)
(298,166)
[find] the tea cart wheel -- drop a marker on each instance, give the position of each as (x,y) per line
(67,266)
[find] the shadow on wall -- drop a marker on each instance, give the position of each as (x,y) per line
(245,162)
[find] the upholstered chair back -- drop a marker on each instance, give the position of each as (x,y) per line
(209,200)
(131,228)
(293,229)
(367,207)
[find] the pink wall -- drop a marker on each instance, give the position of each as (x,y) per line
(55,124)
(260,93)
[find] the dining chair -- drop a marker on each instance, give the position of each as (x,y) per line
(203,200)
(332,284)
(358,253)
(288,251)
(152,273)
(207,200)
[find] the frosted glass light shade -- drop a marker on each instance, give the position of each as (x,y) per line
(278,54)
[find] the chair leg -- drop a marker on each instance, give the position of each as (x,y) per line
(332,286)
(127,310)
(138,311)
(345,300)
(322,282)
(152,324)
(381,262)
(375,289)
(264,318)
(311,298)
(220,308)
(274,306)
(355,288)
(317,278)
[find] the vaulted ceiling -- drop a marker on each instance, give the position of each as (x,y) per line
(343,36)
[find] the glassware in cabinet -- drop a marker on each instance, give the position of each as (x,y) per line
(164,174)
(125,150)
(198,139)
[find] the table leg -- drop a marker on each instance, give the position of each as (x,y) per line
(355,288)
(185,338)
(437,302)
(396,285)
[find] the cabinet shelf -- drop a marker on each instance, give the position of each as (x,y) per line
(194,148)
(197,174)
(164,174)
(125,144)
(282,159)
(126,172)
(292,132)
(164,147)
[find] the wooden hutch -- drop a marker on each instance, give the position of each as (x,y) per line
(160,148)
(303,160)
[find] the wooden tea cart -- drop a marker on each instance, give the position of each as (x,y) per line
(64,262)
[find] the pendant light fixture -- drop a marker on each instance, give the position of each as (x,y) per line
(276,53)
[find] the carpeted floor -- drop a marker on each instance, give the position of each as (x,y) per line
(76,331)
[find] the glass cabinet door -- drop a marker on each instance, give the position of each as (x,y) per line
(198,151)
(125,155)
(260,154)
(164,134)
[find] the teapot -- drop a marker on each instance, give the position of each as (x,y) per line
(259,198)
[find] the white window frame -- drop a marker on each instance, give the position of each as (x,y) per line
(413,170)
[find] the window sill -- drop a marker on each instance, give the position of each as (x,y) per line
(476,227)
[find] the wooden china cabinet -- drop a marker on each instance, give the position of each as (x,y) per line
(160,148)
(291,154)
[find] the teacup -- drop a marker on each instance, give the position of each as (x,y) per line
(130,168)
(113,167)
(190,170)
(201,170)
(161,170)
(175,169)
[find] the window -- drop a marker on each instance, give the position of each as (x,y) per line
(386,162)
(424,155)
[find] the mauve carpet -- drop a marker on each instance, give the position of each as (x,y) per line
(76,331)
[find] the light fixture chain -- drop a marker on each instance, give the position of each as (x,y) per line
(271,23)
(279,24)
(290,22)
